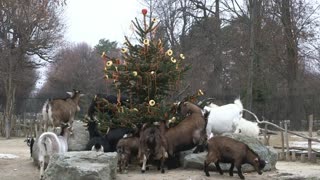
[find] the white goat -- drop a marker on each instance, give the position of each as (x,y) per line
(224,118)
(248,128)
(49,143)
(59,111)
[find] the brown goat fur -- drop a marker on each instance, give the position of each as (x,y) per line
(227,150)
(189,133)
(59,111)
(127,148)
(152,146)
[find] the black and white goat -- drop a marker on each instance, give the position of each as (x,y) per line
(59,111)
(49,143)
(30,141)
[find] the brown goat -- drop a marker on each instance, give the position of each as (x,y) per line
(59,111)
(127,148)
(152,146)
(227,150)
(189,133)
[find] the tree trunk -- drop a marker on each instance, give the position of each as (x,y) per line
(255,25)
(292,65)
(216,85)
(10,99)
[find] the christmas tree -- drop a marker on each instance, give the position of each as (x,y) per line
(147,73)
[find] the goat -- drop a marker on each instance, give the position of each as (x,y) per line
(115,134)
(248,128)
(224,118)
(227,150)
(152,146)
(49,143)
(96,139)
(99,102)
(59,111)
(190,132)
(30,142)
(109,141)
(126,149)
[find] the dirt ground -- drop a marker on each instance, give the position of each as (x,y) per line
(22,168)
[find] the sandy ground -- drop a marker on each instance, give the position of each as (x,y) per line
(21,168)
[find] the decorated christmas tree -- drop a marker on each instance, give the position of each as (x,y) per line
(147,74)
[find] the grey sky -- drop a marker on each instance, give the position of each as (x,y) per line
(89,21)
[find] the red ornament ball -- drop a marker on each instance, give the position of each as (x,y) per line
(144,11)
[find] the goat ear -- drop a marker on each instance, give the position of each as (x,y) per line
(256,159)
(70,93)
(81,95)
(95,98)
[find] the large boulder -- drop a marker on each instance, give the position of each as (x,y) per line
(195,161)
(80,137)
(85,165)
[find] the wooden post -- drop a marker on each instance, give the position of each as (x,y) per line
(282,138)
(303,158)
(287,140)
(293,156)
(309,140)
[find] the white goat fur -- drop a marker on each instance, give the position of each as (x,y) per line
(48,144)
(224,118)
(248,128)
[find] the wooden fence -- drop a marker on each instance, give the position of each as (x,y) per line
(290,153)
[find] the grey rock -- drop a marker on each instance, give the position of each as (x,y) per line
(195,161)
(85,165)
(80,137)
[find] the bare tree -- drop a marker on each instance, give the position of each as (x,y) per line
(27,28)
(75,66)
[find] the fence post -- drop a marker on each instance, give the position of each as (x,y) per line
(309,140)
(282,138)
(287,140)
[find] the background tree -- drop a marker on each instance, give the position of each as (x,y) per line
(104,45)
(75,66)
(27,28)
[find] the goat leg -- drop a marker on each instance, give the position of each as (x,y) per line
(144,162)
(238,166)
(218,167)
(231,169)
(162,164)
(206,168)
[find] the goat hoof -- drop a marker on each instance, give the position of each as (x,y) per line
(162,171)
(231,174)
(143,171)
(147,168)
(207,174)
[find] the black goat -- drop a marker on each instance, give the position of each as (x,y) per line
(109,141)
(30,142)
